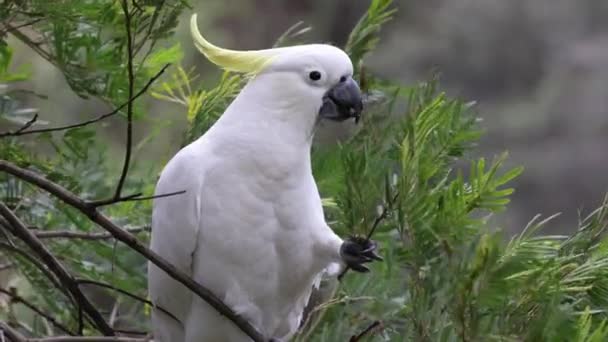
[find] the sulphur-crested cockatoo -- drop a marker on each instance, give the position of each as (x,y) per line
(250,226)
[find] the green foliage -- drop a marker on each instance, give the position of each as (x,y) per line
(87,42)
(364,37)
(9,105)
(448,273)
(6,57)
(203,106)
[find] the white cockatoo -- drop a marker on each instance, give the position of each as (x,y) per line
(250,226)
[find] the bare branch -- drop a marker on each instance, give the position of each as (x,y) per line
(39,265)
(29,23)
(69,234)
(14,336)
(20,230)
(128,294)
(385,211)
(376,325)
(87,339)
(91,121)
(133,197)
(130,240)
(129,143)
(159,5)
(7,227)
(29,42)
(18,299)
(25,126)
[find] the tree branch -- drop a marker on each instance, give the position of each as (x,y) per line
(14,336)
(27,125)
(25,131)
(133,197)
(29,23)
(18,299)
(129,143)
(39,265)
(69,234)
(120,234)
(87,339)
(21,231)
(370,329)
(126,293)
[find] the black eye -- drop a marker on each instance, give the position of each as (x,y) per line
(342,79)
(315,75)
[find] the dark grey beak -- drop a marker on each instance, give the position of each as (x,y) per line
(342,102)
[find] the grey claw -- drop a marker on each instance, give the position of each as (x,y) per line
(359,268)
(356,251)
(373,255)
(371,247)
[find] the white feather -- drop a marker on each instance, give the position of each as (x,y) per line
(250,226)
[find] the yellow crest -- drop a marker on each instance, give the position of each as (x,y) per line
(251,62)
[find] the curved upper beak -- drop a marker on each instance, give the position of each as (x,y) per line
(342,102)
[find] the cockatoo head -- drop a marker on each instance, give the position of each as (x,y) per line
(314,80)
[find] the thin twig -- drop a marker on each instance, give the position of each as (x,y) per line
(131,77)
(132,332)
(155,17)
(136,5)
(113,200)
(20,230)
(30,43)
(69,234)
(133,198)
(28,123)
(370,329)
(87,339)
(14,336)
(42,268)
(385,211)
(29,23)
(18,299)
(80,321)
(39,265)
(328,304)
(120,234)
(91,121)
(128,294)
(3,232)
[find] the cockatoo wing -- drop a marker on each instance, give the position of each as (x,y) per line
(175,228)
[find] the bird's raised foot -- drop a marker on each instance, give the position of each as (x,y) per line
(356,251)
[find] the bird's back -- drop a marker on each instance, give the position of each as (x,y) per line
(175,226)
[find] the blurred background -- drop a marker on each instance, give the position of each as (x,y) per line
(537,68)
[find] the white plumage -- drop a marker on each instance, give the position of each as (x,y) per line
(250,226)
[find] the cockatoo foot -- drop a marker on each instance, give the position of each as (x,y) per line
(275,340)
(356,251)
